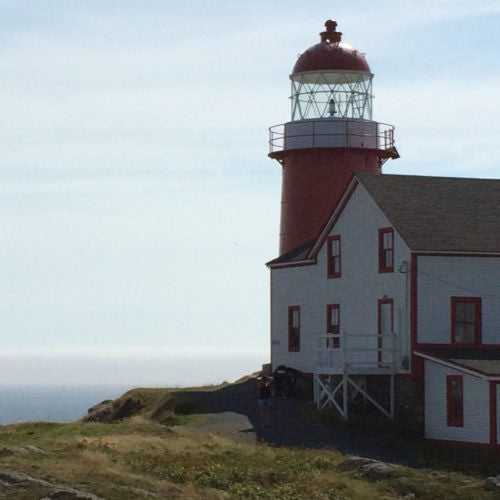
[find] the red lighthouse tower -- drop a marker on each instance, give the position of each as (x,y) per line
(330,136)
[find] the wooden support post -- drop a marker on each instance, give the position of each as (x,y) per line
(345,394)
(392,396)
(315,389)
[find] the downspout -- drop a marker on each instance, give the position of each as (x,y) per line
(404,268)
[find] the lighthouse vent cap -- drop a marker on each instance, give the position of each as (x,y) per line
(331,54)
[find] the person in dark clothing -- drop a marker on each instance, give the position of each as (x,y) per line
(264,398)
(285,380)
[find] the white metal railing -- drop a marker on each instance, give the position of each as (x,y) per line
(357,351)
(381,138)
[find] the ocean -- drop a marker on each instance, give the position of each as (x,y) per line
(51,403)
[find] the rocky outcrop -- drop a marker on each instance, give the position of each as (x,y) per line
(15,479)
(492,483)
(374,470)
(377,471)
(68,493)
(111,411)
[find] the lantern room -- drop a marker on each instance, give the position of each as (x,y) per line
(331,80)
(331,102)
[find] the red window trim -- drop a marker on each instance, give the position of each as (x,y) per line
(329,326)
(478,325)
(292,347)
(454,420)
(331,257)
(379,323)
(382,268)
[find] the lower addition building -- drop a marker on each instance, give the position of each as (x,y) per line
(398,302)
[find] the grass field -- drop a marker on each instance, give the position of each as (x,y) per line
(141,456)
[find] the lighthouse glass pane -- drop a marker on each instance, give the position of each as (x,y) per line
(332,95)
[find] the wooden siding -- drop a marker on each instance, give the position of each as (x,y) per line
(476,418)
(356,291)
(440,278)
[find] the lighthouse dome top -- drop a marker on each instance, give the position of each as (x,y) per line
(331,54)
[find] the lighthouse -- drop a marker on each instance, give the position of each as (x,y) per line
(330,136)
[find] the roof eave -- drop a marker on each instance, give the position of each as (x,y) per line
(455,366)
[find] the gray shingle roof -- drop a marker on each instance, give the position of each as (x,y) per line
(295,255)
(440,213)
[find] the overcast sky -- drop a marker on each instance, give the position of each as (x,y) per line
(138,205)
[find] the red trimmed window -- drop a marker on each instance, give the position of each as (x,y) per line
(455,401)
(294,328)
(333,324)
(466,320)
(333,249)
(386,250)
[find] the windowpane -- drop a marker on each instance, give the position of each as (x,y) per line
(333,324)
(334,316)
(336,248)
(388,240)
(460,312)
(294,328)
(388,258)
(465,333)
(470,312)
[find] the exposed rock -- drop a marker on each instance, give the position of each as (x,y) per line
(143,492)
(30,448)
(492,483)
(6,452)
(15,478)
(102,412)
(68,493)
(355,463)
(377,471)
(368,467)
(111,411)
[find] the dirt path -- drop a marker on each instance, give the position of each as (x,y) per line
(237,410)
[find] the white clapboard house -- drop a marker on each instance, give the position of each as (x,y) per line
(403,284)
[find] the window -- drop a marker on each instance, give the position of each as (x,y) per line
(386,250)
(333,256)
(465,320)
(455,401)
(333,324)
(294,328)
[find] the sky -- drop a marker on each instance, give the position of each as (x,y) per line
(137,202)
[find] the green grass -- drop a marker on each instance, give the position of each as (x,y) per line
(111,459)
